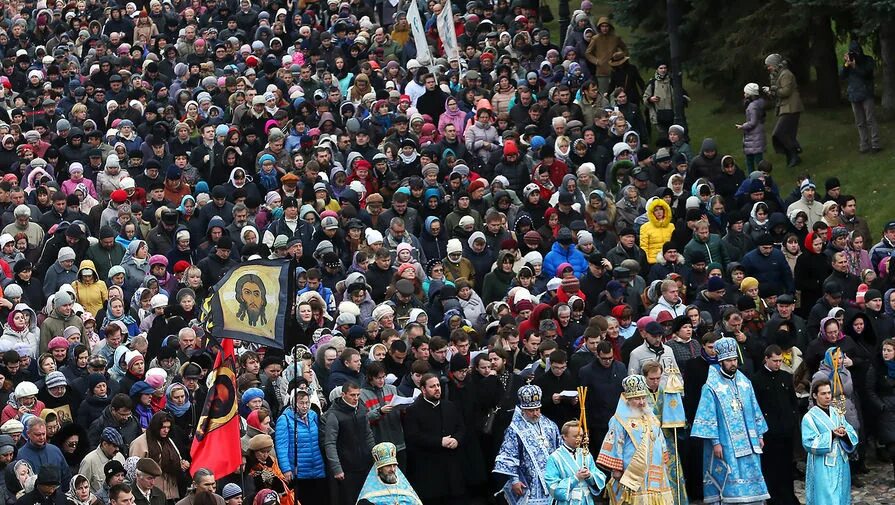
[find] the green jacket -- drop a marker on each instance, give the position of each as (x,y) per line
(713,250)
(104,259)
(496,285)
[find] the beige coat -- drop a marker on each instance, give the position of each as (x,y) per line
(168,483)
(92,468)
(601,48)
(786,89)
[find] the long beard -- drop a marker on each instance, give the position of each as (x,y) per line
(389,478)
(638,411)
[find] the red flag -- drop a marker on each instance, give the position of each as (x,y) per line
(216,445)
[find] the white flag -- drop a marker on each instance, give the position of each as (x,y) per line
(447,33)
(419,34)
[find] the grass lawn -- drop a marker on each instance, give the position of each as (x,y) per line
(828,138)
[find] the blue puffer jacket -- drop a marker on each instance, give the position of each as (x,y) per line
(559,255)
(310,457)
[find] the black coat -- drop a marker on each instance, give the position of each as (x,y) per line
(434,471)
(881,393)
(129,430)
(347,427)
(777,398)
(810,271)
(156,497)
(697,372)
(36,498)
(464,396)
(604,387)
(550,384)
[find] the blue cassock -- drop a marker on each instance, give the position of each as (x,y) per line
(523,456)
(379,493)
(565,488)
(827,475)
(729,415)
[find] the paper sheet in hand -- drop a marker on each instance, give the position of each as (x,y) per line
(391,379)
(569,394)
(397,401)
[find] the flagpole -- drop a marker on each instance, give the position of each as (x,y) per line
(290,300)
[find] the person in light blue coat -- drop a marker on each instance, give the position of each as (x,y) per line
(298,429)
(571,475)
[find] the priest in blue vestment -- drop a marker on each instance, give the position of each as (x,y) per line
(527,444)
(571,475)
(732,424)
(828,439)
(386,484)
(634,449)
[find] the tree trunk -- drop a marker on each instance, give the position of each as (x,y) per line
(823,57)
(887,62)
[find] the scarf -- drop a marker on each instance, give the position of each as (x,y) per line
(143,413)
(269,180)
(711,360)
(72,496)
(177,410)
(890,369)
(408,158)
(10,320)
(125,318)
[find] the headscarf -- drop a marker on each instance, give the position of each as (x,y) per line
(125,318)
(72,495)
(823,325)
(116,371)
(182,207)
(11,323)
(175,410)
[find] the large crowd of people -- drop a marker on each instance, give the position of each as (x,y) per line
(517,279)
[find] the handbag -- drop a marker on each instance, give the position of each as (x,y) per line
(488,423)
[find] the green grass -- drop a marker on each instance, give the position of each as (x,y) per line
(828,137)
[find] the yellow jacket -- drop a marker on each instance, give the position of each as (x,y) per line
(654,233)
(91,296)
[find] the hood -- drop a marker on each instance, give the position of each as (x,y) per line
(562,266)
(326,116)
(709,144)
(754,212)
(216,221)
(247,179)
(632,133)
(502,255)
(428,223)
(535,317)
(867,336)
(652,205)
(483,104)
(777,219)
(133,247)
(605,20)
(21,307)
(88,265)
(245,229)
